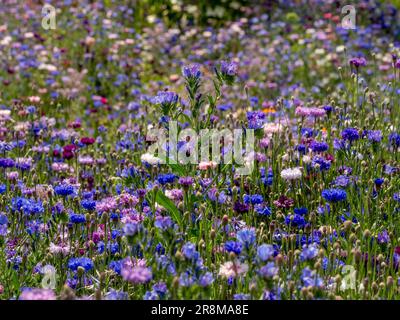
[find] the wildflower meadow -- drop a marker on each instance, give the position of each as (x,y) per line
(178,150)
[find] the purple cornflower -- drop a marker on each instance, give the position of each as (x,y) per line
(166,98)
(383,237)
(269,270)
(342,181)
(240,207)
(136,275)
(191,71)
(358,62)
(186,181)
(229,68)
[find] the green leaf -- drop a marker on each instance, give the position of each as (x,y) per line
(169,206)
(175,167)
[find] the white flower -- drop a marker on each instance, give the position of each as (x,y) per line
(306,159)
(291,174)
(150,159)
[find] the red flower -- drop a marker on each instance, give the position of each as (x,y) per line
(69,151)
(284,202)
(87,140)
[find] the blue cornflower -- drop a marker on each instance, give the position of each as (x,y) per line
(342,181)
(301,211)
(85,263)
(3,219)
(328,108)
(116,266)
(256,119)
(379,181)
(64,189)
(269,270)
(166,98)
(253,199)
(113,248)
(163,223)
(27,206)
(206,279)
(265,251)
(241,296)
(320,163)
(189,251)
(394,139)
(116,295)
(186,280)
(233,246)
(3,188)
(301,148)
(7,163)
(263,210)
(383,237)
(88,204)
(160,288)
(246,236)
(334,195)
(309,252)
(350,134)
(296,220)
(31,109)
(374,135)
(5,146)
(268,179)
(317,146)
(166,178)
(77,218)
(308,132)
(310,278)
(151,295)
(132,228)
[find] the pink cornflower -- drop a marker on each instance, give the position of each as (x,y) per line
(136,272)
(233,269)
(107,204)
(205,165)
(37,294)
